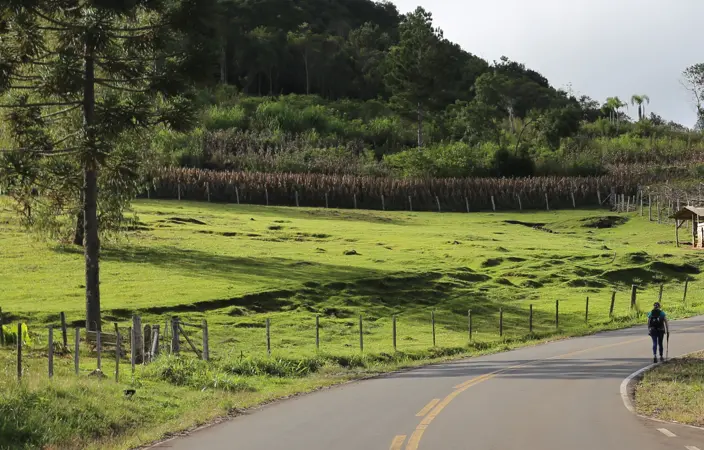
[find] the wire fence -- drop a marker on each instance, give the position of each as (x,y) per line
(119,353)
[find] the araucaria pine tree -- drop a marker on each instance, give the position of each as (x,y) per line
(75,77)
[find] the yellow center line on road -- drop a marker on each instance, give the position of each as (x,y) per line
(414,440)
(431,404)
(397,443)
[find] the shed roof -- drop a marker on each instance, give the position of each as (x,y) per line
(687,213)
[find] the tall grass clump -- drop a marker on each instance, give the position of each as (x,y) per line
(221,118)
(194,373)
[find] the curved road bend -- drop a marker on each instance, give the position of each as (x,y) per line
(563,396)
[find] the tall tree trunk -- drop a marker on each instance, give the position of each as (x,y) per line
(80,223)
(305,61)
(271,83)
(90,195)
(420,125)
(223,61)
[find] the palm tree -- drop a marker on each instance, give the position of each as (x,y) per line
(613,105)
(640,100)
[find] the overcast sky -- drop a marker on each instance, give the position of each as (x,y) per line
(602,47)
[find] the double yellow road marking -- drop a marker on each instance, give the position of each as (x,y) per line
(397,443)
(434,408)
(431,404)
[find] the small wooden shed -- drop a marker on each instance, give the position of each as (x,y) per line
(693,215)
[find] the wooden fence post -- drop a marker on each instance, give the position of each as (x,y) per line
(547,203)
(207,190)
(574,204)
(469,320)
(598,196)
(641,203)
(501,322)
(650,207)
(19,351)
(118,350)
(530,320)
(155,342)
(383,203)
(237,195)
(684,297)
(133,347)
(99,347)
(520,204)
(493,204)
(634,293)
(361,335)
(437,200)
(327,204)
(410,203)
(62,316)
(586,312)
(137,329)
(657,205)
(355,201)
(298,204)
(557,315)
(268,337)
(76,349)
(266,195)
(146,350)
(317,331)
(179,191)
(393,330)
(613,300)
(51,351)
(206,343)
(432,320)
(175,342)
(466,203)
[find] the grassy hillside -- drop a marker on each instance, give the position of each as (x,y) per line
(239,265)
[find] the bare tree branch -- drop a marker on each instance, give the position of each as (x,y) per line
(123,89)
(63,111)
(38,105)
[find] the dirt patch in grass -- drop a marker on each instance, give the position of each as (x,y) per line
(183,221)
(586,282)
(470,277)
(604,222)
(492,262)
(674,391)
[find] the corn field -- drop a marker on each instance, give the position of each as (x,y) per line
(349,191)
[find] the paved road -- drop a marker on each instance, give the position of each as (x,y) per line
(558,396)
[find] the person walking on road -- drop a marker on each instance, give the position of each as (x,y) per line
(657,327)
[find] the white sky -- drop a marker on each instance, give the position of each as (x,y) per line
(603,48)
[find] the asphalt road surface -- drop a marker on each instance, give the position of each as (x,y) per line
(559,396)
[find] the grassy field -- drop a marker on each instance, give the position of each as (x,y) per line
(674,391)
(237,266)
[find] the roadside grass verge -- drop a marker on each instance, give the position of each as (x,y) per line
(674,391)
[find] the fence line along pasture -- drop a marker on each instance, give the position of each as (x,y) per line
(141,345)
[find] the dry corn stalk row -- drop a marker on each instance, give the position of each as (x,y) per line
(348,191)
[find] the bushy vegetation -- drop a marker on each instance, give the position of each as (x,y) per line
(307,134)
